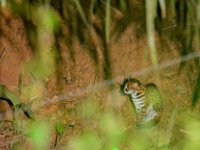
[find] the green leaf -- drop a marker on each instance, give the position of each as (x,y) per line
(60,127)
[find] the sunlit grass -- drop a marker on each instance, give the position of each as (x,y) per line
(107,21)
(3,3)
(192,132)
(85,142)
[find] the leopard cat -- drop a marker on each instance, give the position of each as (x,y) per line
(146,100)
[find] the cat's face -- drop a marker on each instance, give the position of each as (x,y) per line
(133,86)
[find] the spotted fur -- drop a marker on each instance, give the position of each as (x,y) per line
(146,99)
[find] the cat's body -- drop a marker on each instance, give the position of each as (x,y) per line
(147,101)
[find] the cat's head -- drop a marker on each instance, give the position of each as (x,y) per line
(132,86)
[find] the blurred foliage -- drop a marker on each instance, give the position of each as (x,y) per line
(89,109)
(192,126)
(111,128)
(38,132)
(85,142)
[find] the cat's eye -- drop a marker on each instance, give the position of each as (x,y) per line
(125,89)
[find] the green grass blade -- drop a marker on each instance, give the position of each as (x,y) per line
(81,12)
(163,8)
(3,3)
(107,21)
(150,15)
(123,5)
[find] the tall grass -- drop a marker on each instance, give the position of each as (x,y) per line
(150,17)
(107,21)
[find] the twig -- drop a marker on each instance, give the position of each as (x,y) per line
(172,26)
(114,9)
(128,127)
(2,52)
(22,34)
(185,131)
(84,90)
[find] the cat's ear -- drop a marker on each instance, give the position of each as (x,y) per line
(128,78)
(121,87)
